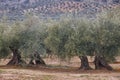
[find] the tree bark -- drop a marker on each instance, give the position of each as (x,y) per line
(84,63)
(31,62)
(101,63)
(48,51)
(16,59)
(38,59)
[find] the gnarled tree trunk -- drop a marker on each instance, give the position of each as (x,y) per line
(38,59)
(16,59)
(31,62)
(101,63)
(48,51)
(84,63)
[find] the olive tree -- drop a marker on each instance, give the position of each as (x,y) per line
(106,39)
(34,45)
(57,38)
(7,45)
(24,37)
(70,38)
(32,39)
(80,42)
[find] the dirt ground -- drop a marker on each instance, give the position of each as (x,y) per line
(57,70)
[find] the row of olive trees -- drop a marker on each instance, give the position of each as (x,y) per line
(82,37)
(65,38)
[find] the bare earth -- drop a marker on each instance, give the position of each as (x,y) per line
(57,71)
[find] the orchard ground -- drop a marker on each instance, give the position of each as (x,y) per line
(58,70)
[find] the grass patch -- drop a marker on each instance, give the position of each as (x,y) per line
(47,77)
(1,71)
(57,66)
(84,76)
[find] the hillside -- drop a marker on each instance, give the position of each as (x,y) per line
(15,9)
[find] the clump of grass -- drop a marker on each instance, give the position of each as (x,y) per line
(84,76)
(47,77)
(1,71)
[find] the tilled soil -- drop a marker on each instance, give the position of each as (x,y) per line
(50,73)
(56,71)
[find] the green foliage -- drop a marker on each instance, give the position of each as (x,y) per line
(57,38)
(30,36)
(107,35)
(26,35)
(80,42)
(4,51)
(65,37)
(79,37)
